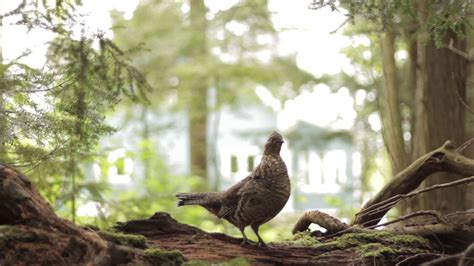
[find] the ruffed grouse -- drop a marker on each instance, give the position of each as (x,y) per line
(254,200)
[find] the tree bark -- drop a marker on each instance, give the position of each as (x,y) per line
(470,104)
(439,115)
(3,120)
(390,106)
(198,109)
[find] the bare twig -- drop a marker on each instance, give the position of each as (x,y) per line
(463,102)
(60,85)
(435,214)
(467,256)
(464,145)
(463,258)
(417,256)
(15,11)
(458,51)
(459,213)
(340,26)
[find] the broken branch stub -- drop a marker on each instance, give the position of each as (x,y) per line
(331,224)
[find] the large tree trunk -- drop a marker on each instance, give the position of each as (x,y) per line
(390,106)
(439,115)
(3,120)
(198,110)
(469,109)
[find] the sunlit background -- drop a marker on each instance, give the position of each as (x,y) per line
(324,134)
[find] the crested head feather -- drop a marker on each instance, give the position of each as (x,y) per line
(273,145)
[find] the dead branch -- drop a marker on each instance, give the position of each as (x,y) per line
(444,158)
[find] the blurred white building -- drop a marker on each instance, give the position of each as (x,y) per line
(322,164)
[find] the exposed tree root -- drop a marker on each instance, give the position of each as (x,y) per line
(31,233)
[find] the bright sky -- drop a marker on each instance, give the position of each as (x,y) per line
(303,31)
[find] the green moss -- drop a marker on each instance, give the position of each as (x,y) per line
(303,239)
(375,250)
(379,244)
(163,257)
(136,241)
(383,237)
(365,237)
(409,240)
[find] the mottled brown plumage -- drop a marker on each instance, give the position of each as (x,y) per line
(254,200)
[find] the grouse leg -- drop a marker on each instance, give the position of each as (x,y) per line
(245,240)
(260,241)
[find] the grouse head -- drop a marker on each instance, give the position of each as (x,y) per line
(273,145)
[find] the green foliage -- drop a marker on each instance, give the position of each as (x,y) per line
(54,116)
(343,210)
(151,193)
(442,16)
(229,62)
(366,83)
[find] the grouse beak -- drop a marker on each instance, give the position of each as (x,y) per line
(282,141)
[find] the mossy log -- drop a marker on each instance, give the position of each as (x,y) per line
(356,248)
